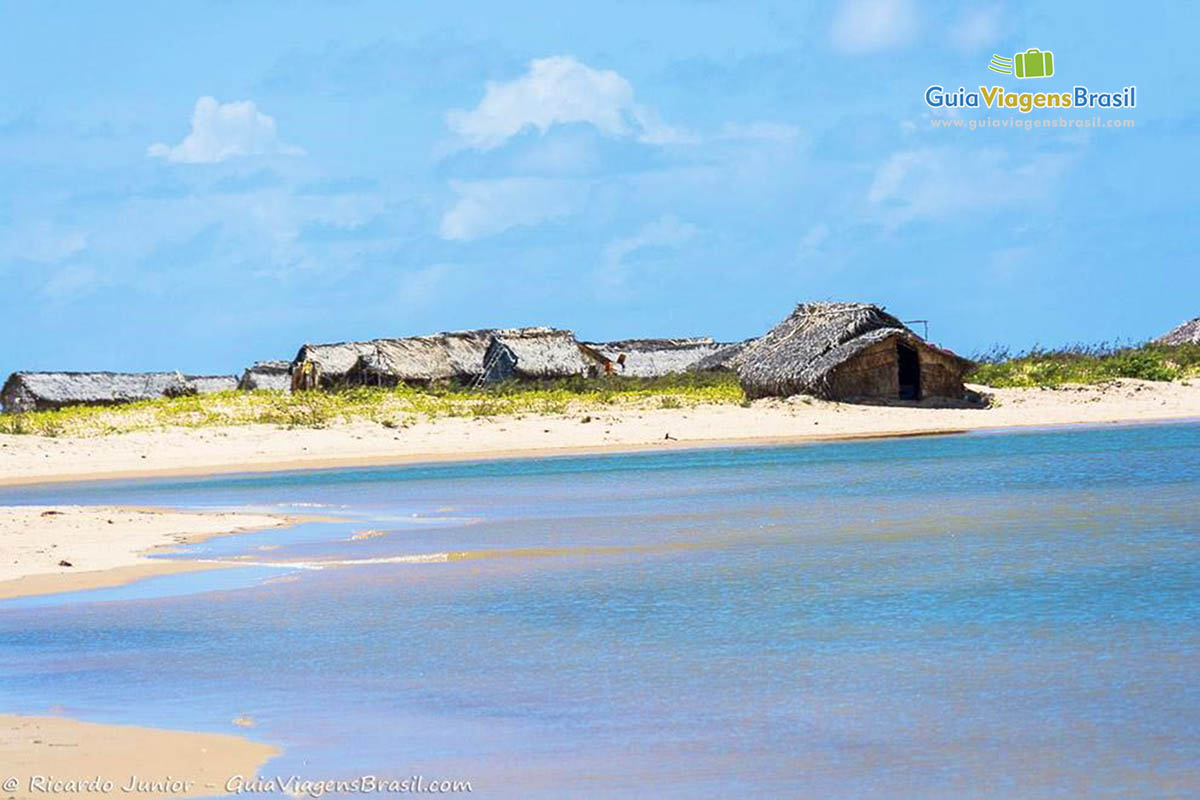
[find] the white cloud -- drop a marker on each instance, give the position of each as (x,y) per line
(488,207)
(557,91)
(760,131)
(863,26)
(419,288)
(940,183)
(225,130)
(666,231)
(43,243)
(70,282)
(812,241)
(976,28)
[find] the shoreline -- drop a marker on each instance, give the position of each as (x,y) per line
(60,549)
(103,759)
(418,459)
(199,452)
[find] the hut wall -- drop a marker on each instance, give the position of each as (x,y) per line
(875,372)
(872,372)
(17,397)
(941,376)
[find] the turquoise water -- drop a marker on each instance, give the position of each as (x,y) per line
(983,615)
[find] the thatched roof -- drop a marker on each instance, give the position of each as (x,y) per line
(211,384)
(1187,333)
(650,358)
(29,391)
(798,355)
(333,361)
(449,356)
(538,353)
(726,358)
(274,375)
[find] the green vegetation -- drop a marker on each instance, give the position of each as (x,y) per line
(392,408)
(1087,364)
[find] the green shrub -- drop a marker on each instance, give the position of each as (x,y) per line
(1086,364)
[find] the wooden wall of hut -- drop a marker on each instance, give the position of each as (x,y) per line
(874,372)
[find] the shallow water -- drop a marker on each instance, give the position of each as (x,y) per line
(982,615)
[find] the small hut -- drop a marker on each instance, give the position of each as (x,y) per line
(449,357)
(211,384)
(326,365)
(652,358)
(845,351)
(1187,333)
(38,391)
(539,354)
(272,375)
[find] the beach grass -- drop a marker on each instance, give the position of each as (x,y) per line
(392,407)
(1086,364)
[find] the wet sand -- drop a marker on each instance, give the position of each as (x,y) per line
(60,757)
(47,550)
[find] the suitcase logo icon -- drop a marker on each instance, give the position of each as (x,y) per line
(1033,63)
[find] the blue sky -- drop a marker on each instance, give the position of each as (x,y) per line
(195,186)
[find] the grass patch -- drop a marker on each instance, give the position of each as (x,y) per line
(1087,364)
(395,408)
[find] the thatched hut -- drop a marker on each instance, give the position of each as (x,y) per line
(450,357)
(38,391)
(1187,333)
(273,375)
(211,384)
(652,358)
(327,365)
(539,354)
(847,351)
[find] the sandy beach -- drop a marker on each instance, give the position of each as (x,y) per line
(72,548)
(185,451)
(60,757)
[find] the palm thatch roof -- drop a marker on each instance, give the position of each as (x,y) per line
(333,361)
(537,354)
(799,355)
(273,375)
(422,360)
(30,391)
(211,384)
(1187,333)
(728,357)
(451,356)
(651,358)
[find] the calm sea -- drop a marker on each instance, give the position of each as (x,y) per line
(987,615)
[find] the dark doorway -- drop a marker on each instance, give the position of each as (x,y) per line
(910,372)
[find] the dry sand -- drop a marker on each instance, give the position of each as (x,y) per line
(55,756)
(104,546)
(179,451)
